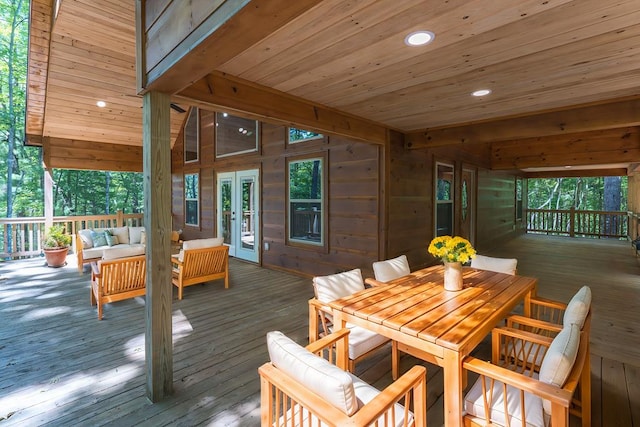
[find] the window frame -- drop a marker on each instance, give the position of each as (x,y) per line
(450,201)
(191,199)
(518,202)
(195,111)
(324,233)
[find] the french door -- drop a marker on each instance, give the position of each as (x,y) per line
(238,212)
(468,204)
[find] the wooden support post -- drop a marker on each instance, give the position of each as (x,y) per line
(157,222)
(48,198)
(572,222)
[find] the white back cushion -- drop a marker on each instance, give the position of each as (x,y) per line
(199,244)
(499,265)
(135,234)
(122,233)
(578,308)
(85,236)
(316,374)
(336,286)
(390,269)
(558,362)
(202,243)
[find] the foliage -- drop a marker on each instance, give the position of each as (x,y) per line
(452,249)
(587,193)
(56,238)
(305,179)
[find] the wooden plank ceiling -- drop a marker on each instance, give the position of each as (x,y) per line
(90,58)
(543,60)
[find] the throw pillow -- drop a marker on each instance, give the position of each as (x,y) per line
(111,239)
(99,239)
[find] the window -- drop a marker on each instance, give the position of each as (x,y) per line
(191,199)
(300,135)
(306,206)
(444,200)
(518,199)
(235,135)
(191,136)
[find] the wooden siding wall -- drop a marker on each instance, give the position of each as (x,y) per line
(496,209)
(370,217)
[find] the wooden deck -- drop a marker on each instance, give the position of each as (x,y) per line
(59,365)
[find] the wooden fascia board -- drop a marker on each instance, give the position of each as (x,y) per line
(577,149)
(90,155)
(577,173)
(581,119)
(235,26)
(222,92)
(40,25)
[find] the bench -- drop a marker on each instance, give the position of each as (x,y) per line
(200,260)
(127,241)
(117,279)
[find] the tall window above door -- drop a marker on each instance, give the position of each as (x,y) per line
(444,199)
(191,136)
(296,135)
(192,199)
(235,135)
(306,212)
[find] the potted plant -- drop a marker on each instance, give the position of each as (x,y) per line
(56,245)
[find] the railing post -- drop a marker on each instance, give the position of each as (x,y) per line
(572,222)
(120,218)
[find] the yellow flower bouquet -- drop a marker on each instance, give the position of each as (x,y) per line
(452,249)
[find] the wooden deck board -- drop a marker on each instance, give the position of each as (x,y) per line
(60,366)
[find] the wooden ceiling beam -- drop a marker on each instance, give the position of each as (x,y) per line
(234,27)
(577,173)
(91,155)
(222,92)
(581,119)
(578,149)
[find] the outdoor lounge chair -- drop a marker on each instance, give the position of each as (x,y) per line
(117,279)
(199,261)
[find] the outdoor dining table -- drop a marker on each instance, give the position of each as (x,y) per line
(435,325)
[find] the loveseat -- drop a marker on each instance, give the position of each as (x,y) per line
(92,244)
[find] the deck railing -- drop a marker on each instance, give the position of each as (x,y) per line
(22,237)
(578,223)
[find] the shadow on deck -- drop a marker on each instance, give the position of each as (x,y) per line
(59,365)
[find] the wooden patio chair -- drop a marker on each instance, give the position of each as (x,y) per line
(197,264)
(117,279)
(511,392)
(298,387)
(547,317)
(499,265)
(362,342)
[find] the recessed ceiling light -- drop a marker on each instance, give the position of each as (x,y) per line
(419,38)
(101,104)
(225,115)
(481,92)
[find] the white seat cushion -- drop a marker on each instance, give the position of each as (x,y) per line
(578,308)
(336,286)
(121,251)
(474,404)
(499,265)
(561,355)
(362,341)
(390,269)
(316,374)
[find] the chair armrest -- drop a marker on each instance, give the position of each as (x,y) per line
(373,282)
(414,379)
(522,335)
(95,271)
(546,391)
(517,321)
(321,311)
(338,341)
(537,300)
(328,341)
(175,260)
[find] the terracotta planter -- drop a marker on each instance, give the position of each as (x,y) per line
(452,276)
(56,257)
